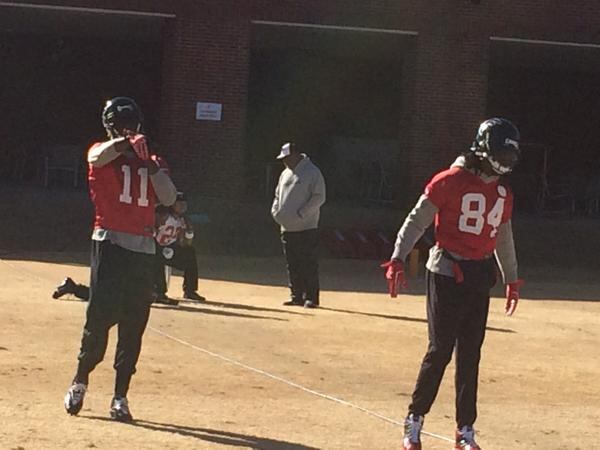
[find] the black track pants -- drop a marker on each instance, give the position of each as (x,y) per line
(120,294)
(301,253)
(184,258)
(456,316)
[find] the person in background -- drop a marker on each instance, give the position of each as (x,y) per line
(174,235)
(299,195)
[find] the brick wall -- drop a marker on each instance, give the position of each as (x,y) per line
(206,58)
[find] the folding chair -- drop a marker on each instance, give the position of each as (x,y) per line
(62,159)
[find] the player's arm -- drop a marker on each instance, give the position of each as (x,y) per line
(161,215)
(507,261)
(187,233)
(105,152)
(165,190)
(412,229)
(414,226)
(506,254)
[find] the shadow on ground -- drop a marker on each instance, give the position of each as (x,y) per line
(351,275)
(214,436)
(402,318)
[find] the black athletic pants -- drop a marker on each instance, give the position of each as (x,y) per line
(184,258)
(301,253)
(120,294)
(456,315)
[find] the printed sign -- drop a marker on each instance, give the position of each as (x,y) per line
(208,111)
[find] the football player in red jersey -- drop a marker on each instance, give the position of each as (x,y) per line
(174,235)
(471,208)
(125,183)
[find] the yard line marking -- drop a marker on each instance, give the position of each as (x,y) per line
(292,384)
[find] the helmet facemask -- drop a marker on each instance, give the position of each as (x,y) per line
(497,142)
(504,159)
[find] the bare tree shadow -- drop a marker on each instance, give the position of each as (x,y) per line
(403,318)
(214,436)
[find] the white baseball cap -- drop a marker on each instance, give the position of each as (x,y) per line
(285,150)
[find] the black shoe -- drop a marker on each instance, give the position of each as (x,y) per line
(66,287)
(194,296)
(164,300)
(309,304)
(292,303)
(119,410)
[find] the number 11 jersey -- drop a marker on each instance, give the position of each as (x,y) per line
(123,196)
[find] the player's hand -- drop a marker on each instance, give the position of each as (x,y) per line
(139,143)
(394,274)
(512,296)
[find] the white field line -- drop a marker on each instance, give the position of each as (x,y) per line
(259,371)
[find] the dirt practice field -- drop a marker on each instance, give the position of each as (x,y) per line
(243,371)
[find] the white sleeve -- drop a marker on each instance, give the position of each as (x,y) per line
(104,153)
(415,224)
(165,190)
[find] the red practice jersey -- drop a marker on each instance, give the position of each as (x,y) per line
(470,212)
(170,231)
(123,196)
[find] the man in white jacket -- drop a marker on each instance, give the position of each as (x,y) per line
(298,198)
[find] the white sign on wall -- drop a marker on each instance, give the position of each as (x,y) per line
(208,111)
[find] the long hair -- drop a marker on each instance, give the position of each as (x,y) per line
(472,161)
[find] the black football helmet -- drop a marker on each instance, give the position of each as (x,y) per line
(121,113)
(497,141)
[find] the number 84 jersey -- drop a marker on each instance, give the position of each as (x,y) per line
(123,196)
(470,210)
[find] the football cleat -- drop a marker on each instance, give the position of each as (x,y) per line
(412,432)
(164,300)
(194,296)
(119,410)
(74,398)
(66,287)
(292,303)
(465,439)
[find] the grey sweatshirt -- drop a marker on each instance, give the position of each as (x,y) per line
(163,187)
(422,216)
(299,195)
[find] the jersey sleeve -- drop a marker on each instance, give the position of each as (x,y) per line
(436,190)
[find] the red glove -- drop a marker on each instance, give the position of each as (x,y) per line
(140,146)
(512,296)
(394,275)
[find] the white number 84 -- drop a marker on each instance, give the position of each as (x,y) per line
(473,209)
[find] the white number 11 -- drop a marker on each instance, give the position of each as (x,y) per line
(125,196)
